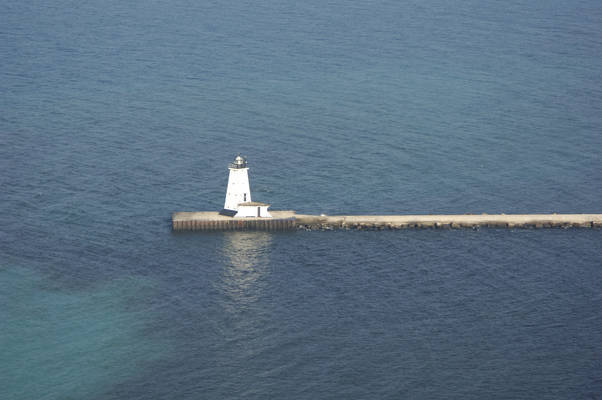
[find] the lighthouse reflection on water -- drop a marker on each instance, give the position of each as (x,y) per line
(247,265)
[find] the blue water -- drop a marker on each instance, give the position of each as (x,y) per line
(116,114)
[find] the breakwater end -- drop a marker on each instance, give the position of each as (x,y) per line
(214,221)
(290,220)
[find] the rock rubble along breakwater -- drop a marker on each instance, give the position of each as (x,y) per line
(289,220)
(382,222)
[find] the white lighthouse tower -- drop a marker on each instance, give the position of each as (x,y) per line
(238,195)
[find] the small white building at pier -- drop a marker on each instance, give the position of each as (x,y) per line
(253,209)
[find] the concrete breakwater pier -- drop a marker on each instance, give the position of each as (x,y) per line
(214,221)
(240,212)
(289,220)
(449,221)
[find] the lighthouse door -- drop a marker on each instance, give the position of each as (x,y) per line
(259,211)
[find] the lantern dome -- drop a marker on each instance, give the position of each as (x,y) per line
(239,162)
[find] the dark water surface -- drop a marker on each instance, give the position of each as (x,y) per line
(116,114)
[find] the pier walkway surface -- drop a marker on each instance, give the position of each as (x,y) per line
(289,220)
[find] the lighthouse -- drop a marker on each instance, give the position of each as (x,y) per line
(238,194)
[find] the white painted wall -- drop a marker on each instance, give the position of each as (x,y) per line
(265,213)
(239,190)
(251,211)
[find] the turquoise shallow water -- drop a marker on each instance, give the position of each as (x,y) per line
(62,343)
(116,115)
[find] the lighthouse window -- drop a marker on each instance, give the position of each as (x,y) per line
(245,197)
